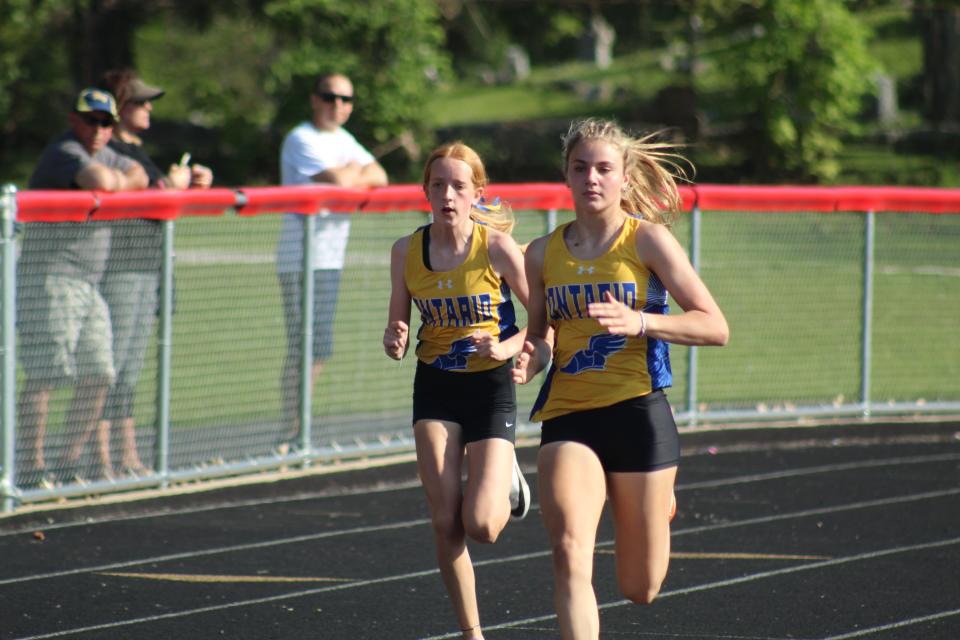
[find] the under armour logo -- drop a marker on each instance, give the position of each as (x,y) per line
(582,269)
(440,284)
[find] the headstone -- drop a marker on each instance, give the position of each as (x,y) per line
(517,63)
(597,43)
(886,98)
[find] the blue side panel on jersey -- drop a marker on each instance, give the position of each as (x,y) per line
(658,351)
(658,364)
(544,392)
(506,313)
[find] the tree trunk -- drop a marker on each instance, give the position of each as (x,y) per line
(102,35)
(941,64)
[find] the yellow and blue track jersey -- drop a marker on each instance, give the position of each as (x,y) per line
(454,304)
(593,368)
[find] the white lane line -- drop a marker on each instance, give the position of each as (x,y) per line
(895,625)
(827,468)
(871,555)
(299,497)
(921,270)
(424,521)
(414,484)
(209,552)
(216,257)
(217,578)
(232,605)
(207,257)
(720,555)
(516,558)
(867,504)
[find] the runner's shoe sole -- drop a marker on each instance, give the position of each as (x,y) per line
(520,504)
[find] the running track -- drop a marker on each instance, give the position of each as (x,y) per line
(828,532)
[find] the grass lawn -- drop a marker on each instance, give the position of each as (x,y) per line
(790,285)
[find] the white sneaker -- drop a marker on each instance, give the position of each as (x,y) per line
(519,493)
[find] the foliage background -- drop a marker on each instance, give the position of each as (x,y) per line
(756,90)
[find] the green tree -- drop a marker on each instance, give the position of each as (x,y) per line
(217,107)
(237,72)
(940,25)
(801,68)
(391,49)
(34,80)
(49,49)
(478,33)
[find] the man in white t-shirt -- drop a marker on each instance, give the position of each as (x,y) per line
(320,151)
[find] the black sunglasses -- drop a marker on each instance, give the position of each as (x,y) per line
(93,121)
(332,97)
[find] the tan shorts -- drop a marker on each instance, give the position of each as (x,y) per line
(64,329)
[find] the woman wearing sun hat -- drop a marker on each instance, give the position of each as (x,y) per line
(131,280)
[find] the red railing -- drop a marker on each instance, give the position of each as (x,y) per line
(77,206)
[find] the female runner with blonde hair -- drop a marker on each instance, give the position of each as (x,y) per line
(459,271)
(600,284)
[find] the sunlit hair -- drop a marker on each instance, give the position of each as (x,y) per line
(652,168)
(117,82)
(498,215)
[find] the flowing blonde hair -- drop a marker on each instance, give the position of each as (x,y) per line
(651,167)
(498,215)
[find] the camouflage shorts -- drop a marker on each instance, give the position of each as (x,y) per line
(64,329)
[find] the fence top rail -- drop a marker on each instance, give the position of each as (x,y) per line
(55,206)
(78,206)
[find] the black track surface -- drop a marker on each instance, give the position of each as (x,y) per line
(828,532)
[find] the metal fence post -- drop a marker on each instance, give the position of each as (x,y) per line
(8,361)
(306,329)
(551,220)
(867,322)
(692,351)
(164,348)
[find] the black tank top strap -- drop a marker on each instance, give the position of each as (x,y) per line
(426,247)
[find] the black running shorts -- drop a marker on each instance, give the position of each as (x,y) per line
(638,434)
(483,403)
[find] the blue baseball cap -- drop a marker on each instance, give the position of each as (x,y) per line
(96,100)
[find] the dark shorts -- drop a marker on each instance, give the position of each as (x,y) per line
(326,287)
(638,434)
(483,403)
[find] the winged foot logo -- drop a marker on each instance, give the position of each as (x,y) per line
(599,348)
(456,358)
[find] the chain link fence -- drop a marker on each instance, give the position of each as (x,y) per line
(831,313)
